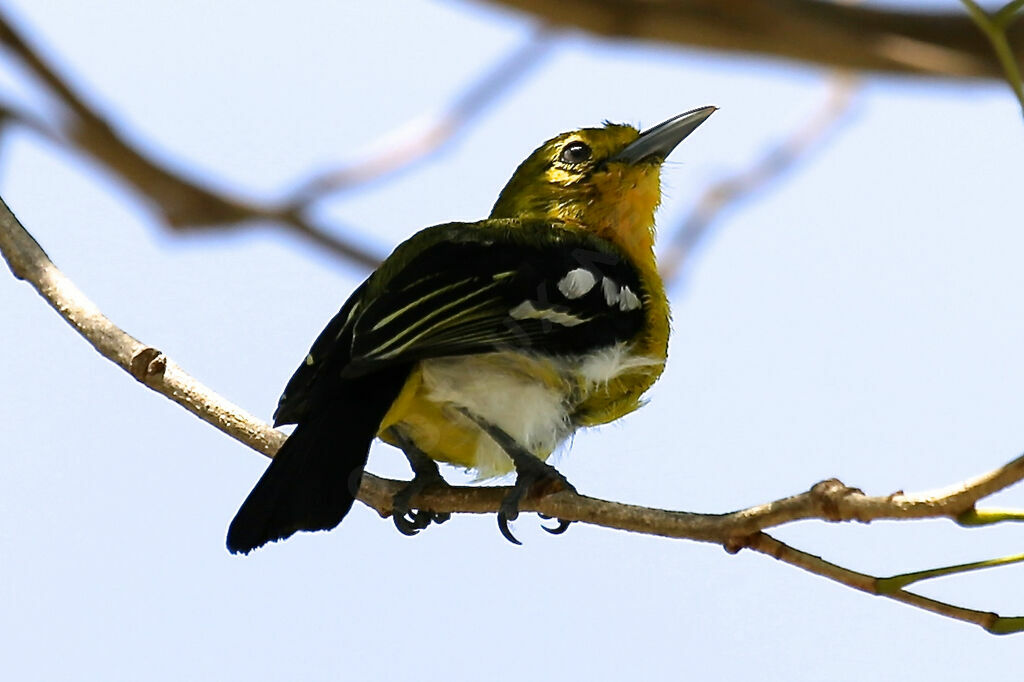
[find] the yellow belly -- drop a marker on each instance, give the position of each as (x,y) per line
(539,401)
(432,426)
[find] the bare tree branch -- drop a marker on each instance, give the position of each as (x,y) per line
(828,500)
(421,137)
(992,622)
(828,34)
(184,205)
(181,203)
(29,262)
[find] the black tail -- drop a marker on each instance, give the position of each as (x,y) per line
(312,481)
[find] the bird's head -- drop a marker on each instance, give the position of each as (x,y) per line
(606,180)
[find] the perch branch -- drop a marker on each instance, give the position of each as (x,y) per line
(828,500)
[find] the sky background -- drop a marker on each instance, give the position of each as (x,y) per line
(860,318)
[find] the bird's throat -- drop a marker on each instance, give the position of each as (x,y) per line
(625,213)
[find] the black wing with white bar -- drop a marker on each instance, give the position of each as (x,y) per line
(556,290)
(563,296)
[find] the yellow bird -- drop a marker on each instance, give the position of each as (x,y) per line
(484,345)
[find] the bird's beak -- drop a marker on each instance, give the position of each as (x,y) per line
(658,142)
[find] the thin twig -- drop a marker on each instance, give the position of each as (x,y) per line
(414,141)
(898,582)
(829,500)
(1008,13)
(994,27)
(183,205)
(993,623)
(13,114)
(735,189)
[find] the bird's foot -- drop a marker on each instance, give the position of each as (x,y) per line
(410,521)
(407,520)
(534,477)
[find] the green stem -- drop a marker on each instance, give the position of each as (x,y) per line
(898,582)
(1004,625)
(1008,14)
(985,517)
(994,30)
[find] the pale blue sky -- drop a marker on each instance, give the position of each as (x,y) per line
(861,319)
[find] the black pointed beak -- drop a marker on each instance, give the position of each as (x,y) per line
(658,142)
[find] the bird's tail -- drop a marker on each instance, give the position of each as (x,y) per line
(312,481)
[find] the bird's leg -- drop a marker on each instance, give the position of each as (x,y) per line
(533,475)
(425,475)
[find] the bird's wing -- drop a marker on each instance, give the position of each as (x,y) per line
(326,358)
(475,289)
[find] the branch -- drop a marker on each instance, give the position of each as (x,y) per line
(422,137)
(29,262)
(181,202)
(828,500)
(184,205)
(827,34)
(995,27)
(992,622)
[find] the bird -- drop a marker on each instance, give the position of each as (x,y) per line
(484,345)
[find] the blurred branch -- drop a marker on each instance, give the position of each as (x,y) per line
(13,114)
(995,26)
(828,500)
(421,137)
(183,205)
(817,32)
(741,186)
(181,202)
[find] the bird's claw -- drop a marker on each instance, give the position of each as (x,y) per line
(562,526)
(505,531)
(509,509)
(533,476)
(504,517)
(412,521)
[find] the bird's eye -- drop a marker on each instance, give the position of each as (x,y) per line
(575,152)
